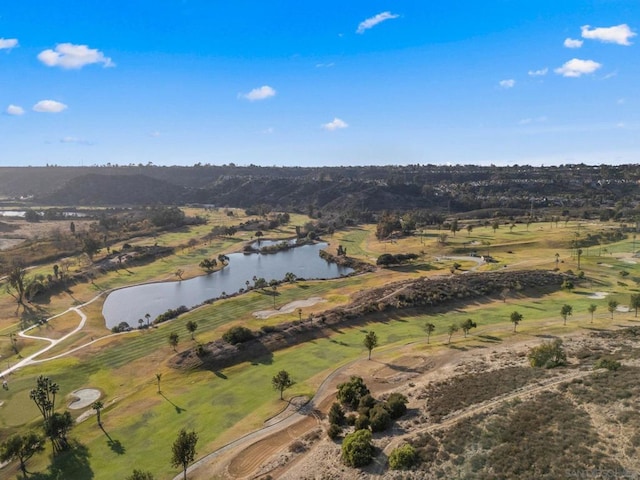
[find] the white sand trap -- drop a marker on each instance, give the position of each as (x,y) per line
(598,295)
(84,397)
(622,308)
(289,307)
(608,265)
(629,261)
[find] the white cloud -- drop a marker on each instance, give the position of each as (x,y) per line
(619,34)
(528,121)
(539,73)
(14,110)
(576,68)
(49,106)
(572,43)
(268,131)
(336,124)
(325,65)
(8,43)
(259,93)
(510,83)
(155,134)
(375,20)
(68,55)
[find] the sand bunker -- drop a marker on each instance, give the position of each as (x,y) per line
(84,397)
(622,308)
(289,307)
(629,261)
(598,295)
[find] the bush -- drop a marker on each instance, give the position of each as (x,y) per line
(334,431)
(237,335)
(608,363)
(351,392)
(402,458)
(396,405)
(362,422)
(357,449)
(336,414)
(365,404)
(379,418)
(548,355)
(351,420)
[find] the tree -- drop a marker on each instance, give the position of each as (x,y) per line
(158,378)
(592,309)
(281,381)
(635,302)
(16,282)
(178,273)
(467,325)
(173,340)
(454,226)
(350,393)
(44,396)
(208,264)
(495,225)
(370,342)
(453,328)
(402,458)
(21,448)
(336,414)
(429,328)
(192,326)
(357,449)
(98,406)
(516,318)
(184,450)
(557,259)
(90,246)
(148,317)
(579,252)
(612,306)
(72,228)
(469,230)
(57,428)
(565,312)
(140,475)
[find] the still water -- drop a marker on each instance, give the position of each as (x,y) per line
(132,303)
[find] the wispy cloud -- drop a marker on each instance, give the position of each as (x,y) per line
(155,134)
(260,93)
(77,141)
(576,68)
(336,124)
(509,83)
(538,73)
(70,56)
(325,65)
(268,131)
(529,121)
(619,34)
(49,106)
(572,43)
(14,110)
(375,20)
(8,43)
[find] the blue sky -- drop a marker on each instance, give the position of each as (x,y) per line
(176,82)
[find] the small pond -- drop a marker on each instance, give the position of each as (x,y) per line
(132,303)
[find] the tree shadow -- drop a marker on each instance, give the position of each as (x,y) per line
(489,339)
(221,375)
(72,463)
(178,409)
(115,445)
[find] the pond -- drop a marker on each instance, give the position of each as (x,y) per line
(132,303)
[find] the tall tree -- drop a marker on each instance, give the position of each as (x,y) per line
(579,252)
(173,340)
(592,309)
(158,378)
(16,281)
(635,302)
(184,450)
(516,318)
(98,406)
(429,328)
(21,448)
(453,328)
(192,326)
(467,325)
(370,342)
(281,381)
(566,311)
(612,306)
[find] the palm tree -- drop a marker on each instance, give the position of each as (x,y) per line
(592,308)
(148,317)
(98,406)
(158,378)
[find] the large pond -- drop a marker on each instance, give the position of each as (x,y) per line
(132,303)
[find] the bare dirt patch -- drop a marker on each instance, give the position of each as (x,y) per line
(289,307)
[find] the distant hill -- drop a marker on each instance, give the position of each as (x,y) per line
(449,189)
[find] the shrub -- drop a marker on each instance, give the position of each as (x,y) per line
(336,414)
(379,418)
(362,422)
(334,431)
(396,405)
(351,420)
(402,458)
(365,404)
(608,363)
(237,335)
(548,355)
(357,449)
(351,392)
